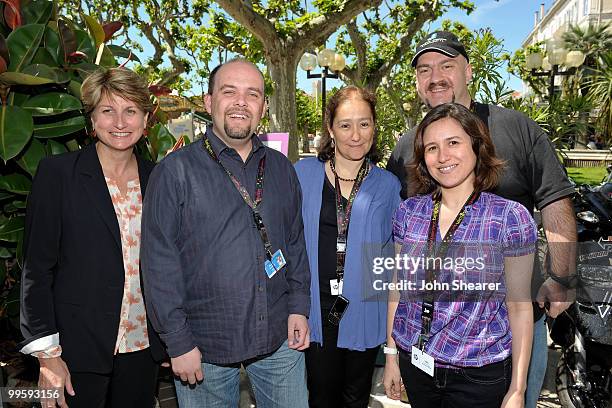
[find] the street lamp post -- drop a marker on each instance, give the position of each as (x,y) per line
(330,62)
(548,66)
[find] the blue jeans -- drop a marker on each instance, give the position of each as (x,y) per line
(278,380)
(537,365)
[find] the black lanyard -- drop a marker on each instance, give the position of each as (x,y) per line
(263,233)
(343,215)
(427,306)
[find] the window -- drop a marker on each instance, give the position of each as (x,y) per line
(585,7)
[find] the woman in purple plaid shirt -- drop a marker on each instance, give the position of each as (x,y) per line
(460,320)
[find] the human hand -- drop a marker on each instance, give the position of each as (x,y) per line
(298,333)
(54,374)
(559,297)
(392,379)
(188,366)
(514,399)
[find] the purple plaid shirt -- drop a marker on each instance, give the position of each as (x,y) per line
(471,329)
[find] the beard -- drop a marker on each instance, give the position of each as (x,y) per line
(236,132)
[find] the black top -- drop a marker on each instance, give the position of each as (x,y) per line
(328,232)
(203,258)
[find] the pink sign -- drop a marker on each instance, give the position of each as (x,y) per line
(276,141)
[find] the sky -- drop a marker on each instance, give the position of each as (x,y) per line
(510,20)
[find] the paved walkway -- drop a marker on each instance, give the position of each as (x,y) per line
(548,398)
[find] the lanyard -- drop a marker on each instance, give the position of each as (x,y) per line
(427,306)
(343,215)
(253,205)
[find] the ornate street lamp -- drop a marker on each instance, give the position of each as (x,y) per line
(556,55)
(330,62)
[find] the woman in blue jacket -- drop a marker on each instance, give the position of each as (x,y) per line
(348,204)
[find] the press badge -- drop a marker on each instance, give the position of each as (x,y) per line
(422,361)
(276,264)
(336,286)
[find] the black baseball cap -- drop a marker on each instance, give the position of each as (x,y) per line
(443,42)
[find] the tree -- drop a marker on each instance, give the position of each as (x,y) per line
(285,30)
(384,37)
(308,118)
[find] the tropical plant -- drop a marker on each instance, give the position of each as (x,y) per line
(600,94)
(594,41)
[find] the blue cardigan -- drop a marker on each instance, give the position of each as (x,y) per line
(370,235)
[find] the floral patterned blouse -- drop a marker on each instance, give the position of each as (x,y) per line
(132,335)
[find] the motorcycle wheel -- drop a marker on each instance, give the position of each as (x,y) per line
(565,381)
(573,397)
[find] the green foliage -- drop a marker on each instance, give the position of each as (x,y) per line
(585,95)
(600,95)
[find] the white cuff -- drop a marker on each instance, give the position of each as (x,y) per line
(42,344)
(389,350)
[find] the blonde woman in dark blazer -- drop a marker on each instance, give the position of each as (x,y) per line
(82,309)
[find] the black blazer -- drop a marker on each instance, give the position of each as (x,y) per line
(73,275)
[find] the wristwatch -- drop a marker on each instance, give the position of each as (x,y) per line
(568,282)
(389,350)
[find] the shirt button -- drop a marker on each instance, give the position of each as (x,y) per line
(260,288)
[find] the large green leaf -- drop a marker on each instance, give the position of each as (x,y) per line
(61,128)
(16,127)
(53,45)
(67,40)
(18,78)
(16,98)
(108,59)
(30,158)
(16,183)
(122,52)
(52,103)
(23,44)
(85,69)
(43,56)
(95,29)
(57,75)
(54,147)
(36,11)
(85,44)
(75,89)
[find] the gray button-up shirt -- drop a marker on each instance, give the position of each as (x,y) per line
(203,258)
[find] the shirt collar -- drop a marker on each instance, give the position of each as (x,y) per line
(219,145)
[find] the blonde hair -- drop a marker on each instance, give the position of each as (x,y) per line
(115,82)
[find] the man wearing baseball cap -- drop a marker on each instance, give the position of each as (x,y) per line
(533,176)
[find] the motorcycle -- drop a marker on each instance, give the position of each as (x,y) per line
(584,331)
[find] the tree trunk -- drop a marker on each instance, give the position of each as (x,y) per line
(305,140)
(282,101)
